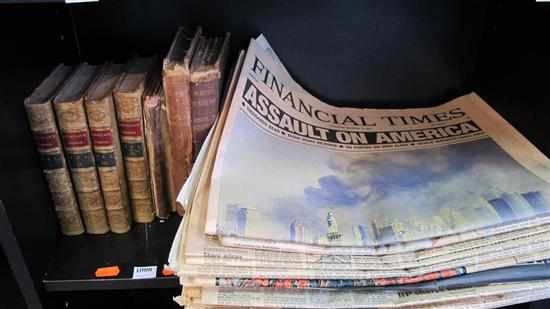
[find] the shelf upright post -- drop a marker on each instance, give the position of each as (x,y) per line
(21,273)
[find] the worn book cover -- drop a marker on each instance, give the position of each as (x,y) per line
(41,118)
(169,187)
(102,120)
(71,115)
(176,78)
(128,102)
(152,112)
(207,71)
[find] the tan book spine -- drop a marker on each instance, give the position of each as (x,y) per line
(109,161)
(76,139)
(178,108)
(46,136)
(153,138)
(130,122)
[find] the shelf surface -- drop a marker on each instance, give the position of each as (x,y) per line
(76,258)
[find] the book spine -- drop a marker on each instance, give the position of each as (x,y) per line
(170,193)
(130,123)
(76,139)
(153,138)
(178,107)
(110,167)
(46,136)
(205,106)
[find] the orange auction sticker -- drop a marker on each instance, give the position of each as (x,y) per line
(111,271)
(167,271)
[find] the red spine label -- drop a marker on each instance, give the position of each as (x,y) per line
(46,140)
(102,137)
(75,139)
(130,128)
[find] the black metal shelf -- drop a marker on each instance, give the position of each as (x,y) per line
(42,1)
(30,1)
(76,258)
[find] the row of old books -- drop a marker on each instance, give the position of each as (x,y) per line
(116,141)
(296,203)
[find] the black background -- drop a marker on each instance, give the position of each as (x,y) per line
(352,53)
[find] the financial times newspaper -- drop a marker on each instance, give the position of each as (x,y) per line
(296,174)
(201,250)
(200,257)
(520,273)
(486,302)
(352,298)
(396,276)
(270,242)
(205,275)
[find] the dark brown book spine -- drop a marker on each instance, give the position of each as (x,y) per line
(78,148)
(130,123)
(109,161)
(178,107)
(153,137)
(205,107)
(170,194)
(206,83)
(46,136)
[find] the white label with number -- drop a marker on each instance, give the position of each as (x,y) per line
(144,272)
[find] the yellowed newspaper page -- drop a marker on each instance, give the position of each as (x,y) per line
(202,250)
(352,298)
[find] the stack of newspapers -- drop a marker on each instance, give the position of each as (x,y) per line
(296,203)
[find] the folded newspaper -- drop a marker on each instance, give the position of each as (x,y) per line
(296,203)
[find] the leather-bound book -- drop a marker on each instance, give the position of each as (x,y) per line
(42,122)
(167,154)
(207,71)
(100,109)
(176,81)
(152,113)
(128,102)
(71,116)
